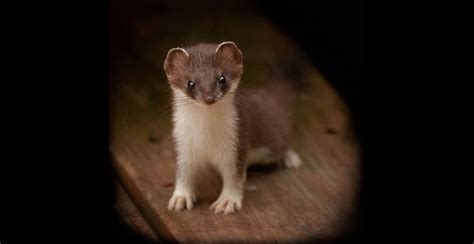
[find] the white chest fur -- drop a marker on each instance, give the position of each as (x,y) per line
(204,133)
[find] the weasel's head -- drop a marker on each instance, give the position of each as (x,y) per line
(205,73)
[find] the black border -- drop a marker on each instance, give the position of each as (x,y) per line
(56,176)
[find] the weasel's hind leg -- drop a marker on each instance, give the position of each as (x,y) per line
(292,160)
(261,155)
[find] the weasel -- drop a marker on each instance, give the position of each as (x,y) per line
(216,124)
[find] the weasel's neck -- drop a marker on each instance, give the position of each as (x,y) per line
(223,112)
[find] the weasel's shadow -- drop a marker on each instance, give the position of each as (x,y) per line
(259,169)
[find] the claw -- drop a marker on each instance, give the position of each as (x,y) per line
(179,202)
(225,205)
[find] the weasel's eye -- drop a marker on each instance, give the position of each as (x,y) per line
(190,85)
(222,80)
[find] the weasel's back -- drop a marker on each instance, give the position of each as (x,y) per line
(264,118)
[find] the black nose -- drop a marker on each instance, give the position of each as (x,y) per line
(210,99)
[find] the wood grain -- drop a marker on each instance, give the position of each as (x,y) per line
(316,200)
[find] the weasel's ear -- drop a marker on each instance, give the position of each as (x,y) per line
(176,60)
(229,53)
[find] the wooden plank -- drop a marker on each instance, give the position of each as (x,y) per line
(130,215)
(314,201)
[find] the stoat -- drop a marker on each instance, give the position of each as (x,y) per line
(216,124)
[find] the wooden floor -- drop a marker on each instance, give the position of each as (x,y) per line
(316,200)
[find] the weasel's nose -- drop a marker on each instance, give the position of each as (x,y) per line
(210,100)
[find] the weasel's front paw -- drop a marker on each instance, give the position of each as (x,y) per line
(179,201)
(227,204)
